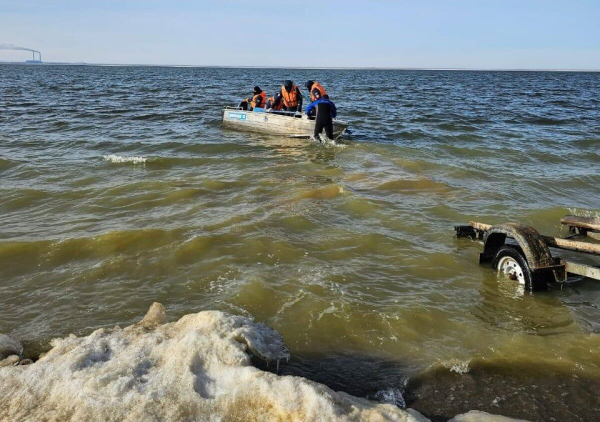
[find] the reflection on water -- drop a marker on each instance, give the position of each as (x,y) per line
(506,306)
(298,148)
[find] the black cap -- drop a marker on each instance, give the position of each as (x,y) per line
(257,90)
(309,84)
(288,85)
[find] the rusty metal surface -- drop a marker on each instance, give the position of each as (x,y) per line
(590,223)
(465,231)
(531,242)
(554,242)
(584,270)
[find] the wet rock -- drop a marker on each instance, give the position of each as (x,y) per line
(9,361)
(25,362)
(391,395)
(477,416)
(520,390)
(156,315)
(9,346)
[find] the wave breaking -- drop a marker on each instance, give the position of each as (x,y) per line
(113,158)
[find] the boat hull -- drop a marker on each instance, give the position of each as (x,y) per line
(298,126)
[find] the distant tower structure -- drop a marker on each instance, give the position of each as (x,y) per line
(33,60)
(15,47)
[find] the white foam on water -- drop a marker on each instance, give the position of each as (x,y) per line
(458,366)
(113,158)
(197,368)
(325,141)
(584,213)
(329,310)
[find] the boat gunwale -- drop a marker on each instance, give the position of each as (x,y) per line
(275,113)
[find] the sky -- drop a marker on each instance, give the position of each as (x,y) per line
(472,34)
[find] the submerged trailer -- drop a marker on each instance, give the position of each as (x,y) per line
(522,254)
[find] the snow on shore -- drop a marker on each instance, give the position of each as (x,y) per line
(197,368)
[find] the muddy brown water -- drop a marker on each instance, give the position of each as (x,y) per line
(118,188)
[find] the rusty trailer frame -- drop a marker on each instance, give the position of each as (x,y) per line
(522,246)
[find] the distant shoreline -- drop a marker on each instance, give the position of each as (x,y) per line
(302,67)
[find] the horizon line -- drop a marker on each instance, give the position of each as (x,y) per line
(483,69)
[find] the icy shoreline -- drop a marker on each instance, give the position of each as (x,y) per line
(197,368)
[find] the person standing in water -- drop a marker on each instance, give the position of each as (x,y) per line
(325,111)
(316,90)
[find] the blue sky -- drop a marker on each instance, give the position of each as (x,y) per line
(532,34)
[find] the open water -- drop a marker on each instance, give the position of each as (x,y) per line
(119,187)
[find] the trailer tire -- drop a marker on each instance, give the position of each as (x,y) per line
(510,262)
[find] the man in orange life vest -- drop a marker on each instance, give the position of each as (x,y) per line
(258,100)
(316,90)
(291,97)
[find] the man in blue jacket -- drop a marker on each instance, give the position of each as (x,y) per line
(325,111)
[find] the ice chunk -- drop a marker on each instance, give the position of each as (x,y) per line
(10,361)
(478,416)
(197,368)
(156,315)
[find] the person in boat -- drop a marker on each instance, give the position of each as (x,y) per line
(316,90)
(324,111)
(258,100)
(290,96)
(274,100)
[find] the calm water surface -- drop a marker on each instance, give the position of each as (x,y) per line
(347,250)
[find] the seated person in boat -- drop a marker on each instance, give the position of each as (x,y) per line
(316,90)
(325,111)
(290,96)
(272,101)
(258,100)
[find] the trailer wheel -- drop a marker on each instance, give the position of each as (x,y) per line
(511,263)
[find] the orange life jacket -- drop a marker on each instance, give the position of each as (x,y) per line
(322,91)
(290,99)
(279,106)
(258,100)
